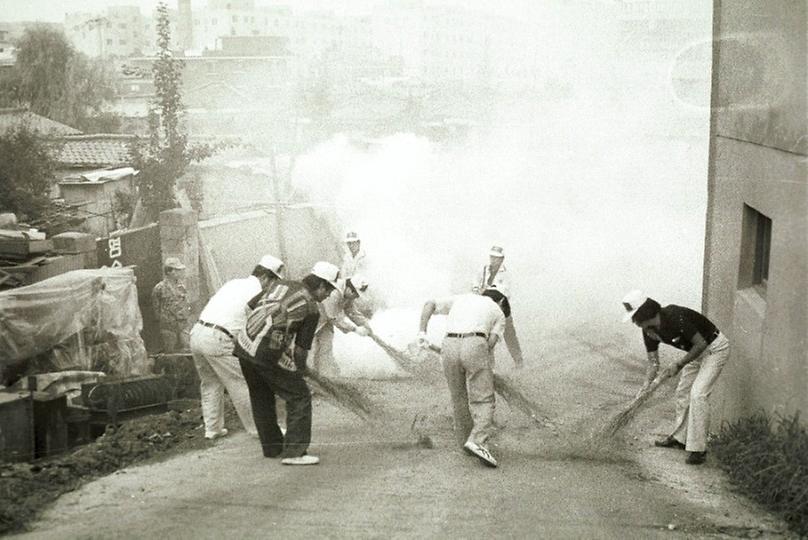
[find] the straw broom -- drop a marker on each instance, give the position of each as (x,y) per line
(401,360)
(624,417)
(515,398)
(340,394)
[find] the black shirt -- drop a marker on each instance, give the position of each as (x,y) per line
(677,327)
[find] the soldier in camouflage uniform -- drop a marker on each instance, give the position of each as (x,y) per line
(171,307)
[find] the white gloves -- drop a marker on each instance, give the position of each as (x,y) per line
(422,340)
(362,331)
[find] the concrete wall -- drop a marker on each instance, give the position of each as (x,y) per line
(758,158)
(237,241)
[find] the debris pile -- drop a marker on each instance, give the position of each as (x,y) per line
(25,488)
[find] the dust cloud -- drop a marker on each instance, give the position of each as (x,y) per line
(590,194)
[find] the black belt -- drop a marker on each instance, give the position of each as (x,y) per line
(217,327)
(468,334)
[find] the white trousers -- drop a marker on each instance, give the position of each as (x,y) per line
(219,370)
(696,382)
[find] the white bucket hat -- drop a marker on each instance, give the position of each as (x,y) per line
(272,264)
(352,237)
(327,271)
(632,302)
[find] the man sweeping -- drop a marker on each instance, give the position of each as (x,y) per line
(338,311)
(284,314)
(707,350)
(212,343)
(494,275)
(474,325)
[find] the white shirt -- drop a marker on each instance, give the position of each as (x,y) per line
(351,265)
(501,281)
(332,310)
(471,313)
(228,307)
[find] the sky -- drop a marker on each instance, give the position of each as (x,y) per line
(54,10)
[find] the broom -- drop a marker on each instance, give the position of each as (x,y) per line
(401,360)
(624,417)
(515,398)
(341,394)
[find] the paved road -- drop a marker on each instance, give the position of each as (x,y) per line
(375,481)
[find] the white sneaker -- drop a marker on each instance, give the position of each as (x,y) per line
(481,452)
(215,434)
(301,460)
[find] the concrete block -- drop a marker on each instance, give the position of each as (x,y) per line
(177,217)
(73,242)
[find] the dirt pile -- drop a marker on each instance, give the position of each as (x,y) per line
(25,488)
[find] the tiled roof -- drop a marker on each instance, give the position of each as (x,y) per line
(94,151)
(45,126)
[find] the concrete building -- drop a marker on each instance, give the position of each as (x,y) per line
(118,31)
(756,248)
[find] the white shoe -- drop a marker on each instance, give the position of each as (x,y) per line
(481,452)
(215,434)
(301,460)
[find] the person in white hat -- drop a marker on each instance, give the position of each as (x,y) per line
(495,276)
(474,325)
(212,343)
(338,311)
(354,258)
(284,314)
(706,352)
(171,307)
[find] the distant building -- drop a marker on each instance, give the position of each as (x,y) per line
(226,94)
(118,31)
(756,247)
(8,53)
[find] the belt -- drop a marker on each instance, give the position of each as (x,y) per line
(467,334)
(222,329)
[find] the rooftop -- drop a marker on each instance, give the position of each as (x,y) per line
(13,117)
(100,150)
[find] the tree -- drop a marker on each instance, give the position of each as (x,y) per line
(26,172)
(166,153)
(54,80)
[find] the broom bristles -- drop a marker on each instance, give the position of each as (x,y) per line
(341,394)
(399,357)
(518,401)
(624,417)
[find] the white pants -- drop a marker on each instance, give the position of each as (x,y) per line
(219,370)
(696,383)
(322,352)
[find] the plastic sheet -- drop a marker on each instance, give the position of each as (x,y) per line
(84,319)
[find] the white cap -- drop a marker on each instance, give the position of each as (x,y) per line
(352,236)
(632,302)
(175,263)
(358,282)
(327,271)
(496,251)
(272,264)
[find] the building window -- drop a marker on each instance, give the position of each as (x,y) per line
(756,243)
